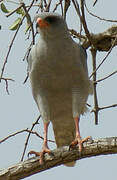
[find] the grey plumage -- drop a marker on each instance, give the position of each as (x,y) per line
(59,78)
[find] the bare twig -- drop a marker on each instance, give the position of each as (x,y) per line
(28,49)
(106,77)
(66,6)
(34,132)
(88,105)
(95,2)
(106,107)
(45,3)
(21,131)
(84,22)
(48,6)
(11,135)
(13,39)
(62,11)
(100,18)
(12,12)
(82,19)
(26,78)
(96,108)
(9,49)
(58,4)
(6,81)
(76,5)
(27,139)
(29,21)
(31,4)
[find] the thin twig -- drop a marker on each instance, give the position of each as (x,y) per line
(66,6)
(96,108)
(11,44)
(27,52)
(95,3)
(41,5)
(27,139)
(11,135)
(34,132)
(48,6)
(76,5)
(9,49)
(100,18)
(106,107)
(26,78)
(45,3)
(84,22)
(82,18)
(21,131)
(29,21)
(6,81)
(58,4)
(12,12)
(106,77)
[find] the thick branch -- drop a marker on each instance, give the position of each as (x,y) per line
(103,41)
(59,156)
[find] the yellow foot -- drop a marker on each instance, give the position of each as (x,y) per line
(41,154)
(79,141)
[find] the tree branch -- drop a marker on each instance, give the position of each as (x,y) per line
(58,157)
(96,108)
(6,81)
(98,17)
(106,77)
(28,137)
(103,41)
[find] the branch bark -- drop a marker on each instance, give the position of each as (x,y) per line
(58,157)
(103,41)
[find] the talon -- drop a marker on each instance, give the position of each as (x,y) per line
(86,139)
(79,141)
(34,152)
(41,154)
(45,148)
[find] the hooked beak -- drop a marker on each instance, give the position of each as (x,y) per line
(41,23)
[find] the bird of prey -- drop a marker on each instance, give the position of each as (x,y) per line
(58,74)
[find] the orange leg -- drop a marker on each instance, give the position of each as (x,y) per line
(78,139)
(45,148)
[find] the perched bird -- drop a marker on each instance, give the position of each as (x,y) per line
(59,78)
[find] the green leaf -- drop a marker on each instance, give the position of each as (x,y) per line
(15,25)
(20,11)
(3,8)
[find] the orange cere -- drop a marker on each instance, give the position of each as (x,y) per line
(42,23)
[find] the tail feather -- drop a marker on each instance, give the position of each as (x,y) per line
(64,131)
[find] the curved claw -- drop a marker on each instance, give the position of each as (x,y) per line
(45,150)
(34,152)
(41,154)
(79,141)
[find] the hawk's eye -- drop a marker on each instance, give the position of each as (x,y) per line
(51,19)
